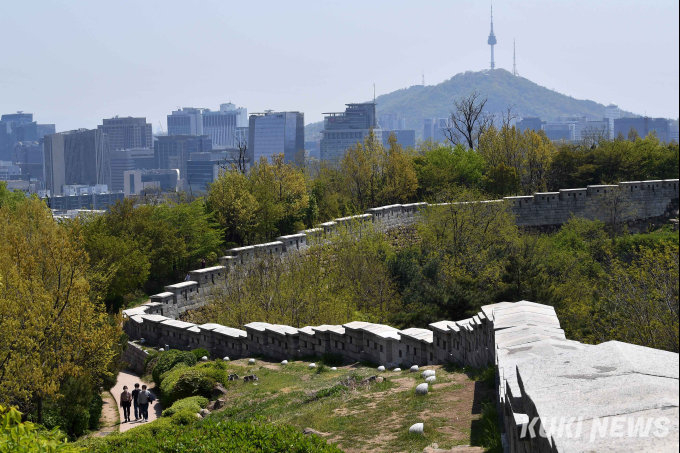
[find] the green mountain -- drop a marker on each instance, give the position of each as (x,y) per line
(500,87)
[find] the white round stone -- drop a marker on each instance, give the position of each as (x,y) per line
(161,350)
(334,368)
(397,369)
(251,362)
(226,359)
(427,373)
(381,368)
(204,359)
(430,379)
(312,365)
(414,369)
(416,429)
(422,389)
(284,362)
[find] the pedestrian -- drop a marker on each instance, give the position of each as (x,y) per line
(125,403)
(144,398)
(135,403)
(203,263)
(187,278)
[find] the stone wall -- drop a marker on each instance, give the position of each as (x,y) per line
(640,202)
(134,356)
(541,376)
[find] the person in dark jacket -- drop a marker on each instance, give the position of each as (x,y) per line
(135,393)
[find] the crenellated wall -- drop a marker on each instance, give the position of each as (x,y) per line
(541,376)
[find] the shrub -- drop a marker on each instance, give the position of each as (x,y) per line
(150,362)
(168,360)
(331,359)
(25,437)
(195,403)
(199,353)
(95,409)
(184,417)
(183,383)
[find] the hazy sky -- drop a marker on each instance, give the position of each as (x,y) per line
(75,62)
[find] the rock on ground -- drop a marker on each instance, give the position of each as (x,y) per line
(414,369)
(417,428)
(430,379)
(422,389)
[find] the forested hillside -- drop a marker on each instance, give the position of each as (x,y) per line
(500,87)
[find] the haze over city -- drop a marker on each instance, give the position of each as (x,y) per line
(76,62)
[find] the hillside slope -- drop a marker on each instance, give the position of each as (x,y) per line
(500,87)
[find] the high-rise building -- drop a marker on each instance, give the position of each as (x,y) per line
(594,130)
(434,129)
(173,151)
(128,133)
(220,125)
(492,41)
(612,113)
(273,133)
(204,168)
(560,131)
(344,129)
(405,138)
(29,157)
(530,122)
(643,126)
(578,121)
(19,127)
(137,182)
(392,122)
(129,159)
(76,157)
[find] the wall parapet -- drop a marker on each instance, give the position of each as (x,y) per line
(541,376)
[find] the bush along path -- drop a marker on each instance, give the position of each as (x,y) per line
(130,379)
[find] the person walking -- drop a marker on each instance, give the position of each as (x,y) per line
(135,394)
(203,263)
(125,403)
(143,399)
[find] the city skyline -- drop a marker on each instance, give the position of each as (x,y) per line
(46,74)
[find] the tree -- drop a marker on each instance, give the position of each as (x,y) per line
(401,182)
(468,120)
(233,205)
(50,329)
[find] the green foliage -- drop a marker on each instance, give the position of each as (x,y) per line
(193,403)
(168,360)
(486,432)
(200,353)
(183,382)
(211,435)
(10,198)
(331,359)
(18,437)
(441,167)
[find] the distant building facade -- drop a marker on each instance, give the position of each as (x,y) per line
(532,123)
(343,130)
(405,138)
(84,197)
(219,125)
(643,126)
(28,156)
(127,133)
(137,182)
(173,151)
(130,159)
(434,129)
(20,127)
(611,114)
(273,133)
(560,132)
(392,122)
(76,157)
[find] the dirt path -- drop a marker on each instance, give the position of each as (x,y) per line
(130,379)
(109,421)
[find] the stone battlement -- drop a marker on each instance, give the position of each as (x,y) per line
(541,376)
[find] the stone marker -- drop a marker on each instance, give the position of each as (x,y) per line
(161,350)
(414,369)
(381,368)
(312,365)
(397,369)
(334,368)
(422,389)
(416,428)
(430,379)
(204,413)
(233,377)
(284,362)
(204,359)
(251,378)
(226,359)
(427,373)
(251,362)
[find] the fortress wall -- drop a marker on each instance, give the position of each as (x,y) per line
(638,200)
(540,375)
(135,357)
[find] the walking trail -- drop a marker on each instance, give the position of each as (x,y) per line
(130,379)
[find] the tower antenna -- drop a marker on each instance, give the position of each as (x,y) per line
(492,40)
(374,92)
(423,72)
(514,60)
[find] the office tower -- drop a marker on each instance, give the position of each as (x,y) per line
(273,133)
(173,151)
(578,121)
(129,159)
(76,157)
(643,126)
(392,122)
(434,129)
(29,157)
(46,129)
(492,41)
(405,138)
(595,130)
(127,133)
(560,131)
(220,125)
(344,129)
(186,121)
(12,130)
(203,168)
(530,122)
(612,113)
(140,181)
